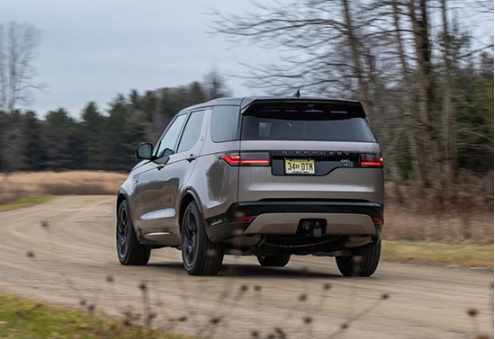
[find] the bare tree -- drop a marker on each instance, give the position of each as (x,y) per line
(385,53)
(214,85)
(323,52)
(18,44)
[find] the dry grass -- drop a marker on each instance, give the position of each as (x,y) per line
(25,184)
(465,216)
(425,252)
(458,226)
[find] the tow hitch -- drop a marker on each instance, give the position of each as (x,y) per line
(312,227)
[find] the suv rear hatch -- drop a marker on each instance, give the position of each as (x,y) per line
(302,149)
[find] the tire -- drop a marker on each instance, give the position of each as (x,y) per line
(362,263)
(129,250)
(279,260)
(199,255)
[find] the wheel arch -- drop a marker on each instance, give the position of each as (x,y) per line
(121,197)
(189,196)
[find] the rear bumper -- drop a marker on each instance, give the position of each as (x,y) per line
(282,217)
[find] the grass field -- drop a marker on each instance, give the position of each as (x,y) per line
(28,319)
(26,184)
(25,202)
(427,252)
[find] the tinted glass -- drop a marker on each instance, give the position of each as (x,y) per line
(224,121)
(318,127)
(191,132)
(169,140)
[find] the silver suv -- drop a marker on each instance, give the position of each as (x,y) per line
(264,176)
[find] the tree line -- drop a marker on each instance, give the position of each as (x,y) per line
(426,82)
(97,140)
(101,140)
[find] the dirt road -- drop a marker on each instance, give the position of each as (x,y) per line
(63,251)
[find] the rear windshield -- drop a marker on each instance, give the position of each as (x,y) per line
(306,126)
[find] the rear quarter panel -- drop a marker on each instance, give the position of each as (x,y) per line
(214,181)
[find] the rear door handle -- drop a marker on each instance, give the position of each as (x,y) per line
(159,167)
(191,157)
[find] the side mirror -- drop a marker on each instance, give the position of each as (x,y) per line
(144,151)
(167,152)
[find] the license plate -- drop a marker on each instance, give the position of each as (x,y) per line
(299,166)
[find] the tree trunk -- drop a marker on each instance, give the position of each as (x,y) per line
(449,152)
(411,127)
(420,28)
(353,41)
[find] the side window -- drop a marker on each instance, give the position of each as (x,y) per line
(224,122)
(169,140)
(191,132)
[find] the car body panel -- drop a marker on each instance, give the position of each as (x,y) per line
(216,185)
(155,191)
(341,184)
(336,223)
(258,182)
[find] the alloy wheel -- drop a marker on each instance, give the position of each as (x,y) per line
(122,232)
(190,238)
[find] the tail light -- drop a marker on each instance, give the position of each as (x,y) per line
(371,160)
(378,220)
(246,218)
(247,159)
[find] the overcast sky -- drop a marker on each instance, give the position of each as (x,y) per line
(92,50)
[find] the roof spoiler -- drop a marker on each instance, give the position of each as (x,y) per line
(309,106)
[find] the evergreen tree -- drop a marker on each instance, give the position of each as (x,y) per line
(60,141)
(98,141)
(135,99)
(92,129)
(12,141)
(196,94)
(34,156)
(214,85)
(125,128)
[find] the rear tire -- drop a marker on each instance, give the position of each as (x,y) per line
(129,250)
(279,260)
(199,255)
(362,263)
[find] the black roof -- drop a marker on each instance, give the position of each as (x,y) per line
(246,101)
